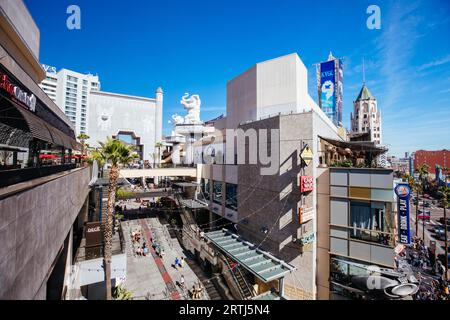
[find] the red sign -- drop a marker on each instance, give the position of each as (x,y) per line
(17,93)
(306,184)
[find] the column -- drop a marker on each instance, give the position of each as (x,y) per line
(176,158)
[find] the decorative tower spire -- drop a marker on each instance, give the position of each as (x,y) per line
(364,72)
(330,56)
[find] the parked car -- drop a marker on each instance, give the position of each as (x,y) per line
(427,205)
(437,228)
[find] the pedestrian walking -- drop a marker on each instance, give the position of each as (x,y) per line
(177,262)
(181,262)
(182,282)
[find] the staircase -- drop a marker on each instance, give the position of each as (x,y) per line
(211,290)
(240,280)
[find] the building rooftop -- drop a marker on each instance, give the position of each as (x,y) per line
(365,94)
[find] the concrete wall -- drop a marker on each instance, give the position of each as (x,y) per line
(33,227)
(111,113)
(241,98)
(20,36)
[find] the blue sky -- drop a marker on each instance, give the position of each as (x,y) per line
(197,46)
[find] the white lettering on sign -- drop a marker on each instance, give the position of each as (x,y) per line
(96,229)
(28,100)
(49,69)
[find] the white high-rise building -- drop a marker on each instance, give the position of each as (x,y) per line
(70,91)
(366,118)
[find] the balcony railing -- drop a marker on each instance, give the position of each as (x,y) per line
(12,177)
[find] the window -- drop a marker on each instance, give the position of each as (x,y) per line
(73,79)
(205,189)
(372,222)
(217,192)
(231,196)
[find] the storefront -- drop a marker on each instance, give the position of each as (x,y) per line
(34,141)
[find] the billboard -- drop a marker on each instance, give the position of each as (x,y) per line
(403,193)
(340,91)
(331,89)
(327,90)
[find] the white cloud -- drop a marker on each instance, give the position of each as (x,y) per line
(435,63)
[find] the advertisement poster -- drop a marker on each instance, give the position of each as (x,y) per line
(328,88)
(403,193)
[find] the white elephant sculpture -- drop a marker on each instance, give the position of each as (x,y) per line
(176,119)
(192,106)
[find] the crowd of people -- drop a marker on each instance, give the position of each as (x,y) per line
(139,245)
(428,270)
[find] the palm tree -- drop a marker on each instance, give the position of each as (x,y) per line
(98,156)
(83,137)
(446,193)
(158,146)
(114,152)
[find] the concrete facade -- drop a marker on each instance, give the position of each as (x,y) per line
(111,114)
(20,36)
(71,90)
(34,225)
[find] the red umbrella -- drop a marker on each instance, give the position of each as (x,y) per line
(47,156)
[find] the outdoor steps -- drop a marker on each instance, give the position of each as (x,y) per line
(211,290)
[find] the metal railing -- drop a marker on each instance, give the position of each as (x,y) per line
(12,177)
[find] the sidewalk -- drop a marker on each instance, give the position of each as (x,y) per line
(151,277)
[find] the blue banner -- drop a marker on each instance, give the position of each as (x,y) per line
(403,192)
(328,88)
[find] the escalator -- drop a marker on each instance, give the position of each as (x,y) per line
(240,278)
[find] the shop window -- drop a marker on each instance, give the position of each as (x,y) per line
(217,192)
(205,185)
(231,196)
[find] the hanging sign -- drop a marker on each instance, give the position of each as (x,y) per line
(403,193)
(307,155)
(306,184)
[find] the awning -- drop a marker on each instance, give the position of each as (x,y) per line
(357,145)
(193,204)
(261,264)
(43,131)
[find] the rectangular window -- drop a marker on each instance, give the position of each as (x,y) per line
(231,196)
(372,222)
(205,189)
(217,192)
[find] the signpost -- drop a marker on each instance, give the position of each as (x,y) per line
(307,155)
(403,192)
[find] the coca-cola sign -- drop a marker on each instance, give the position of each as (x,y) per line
(306,184)
(17,93)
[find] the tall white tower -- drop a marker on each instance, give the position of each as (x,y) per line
(366,118)
(159,114)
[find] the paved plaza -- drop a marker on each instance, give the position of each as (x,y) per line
(150,277)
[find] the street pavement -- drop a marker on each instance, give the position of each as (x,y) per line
(436,214)
(151,277)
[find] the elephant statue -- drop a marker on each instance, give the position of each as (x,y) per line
(176,119)
(192,106)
